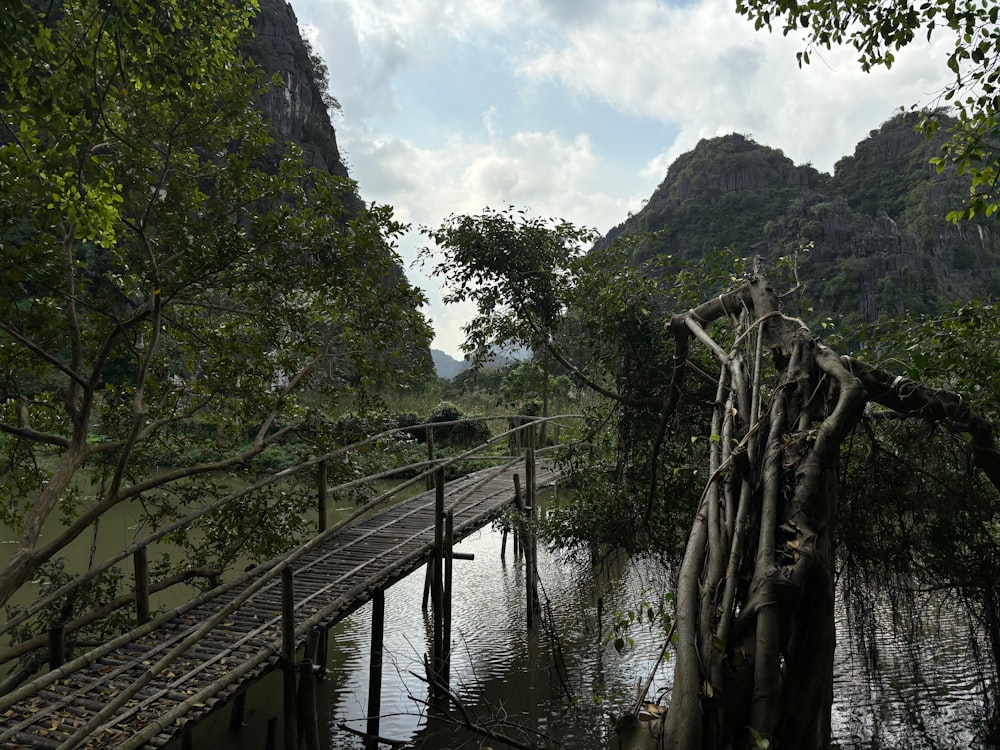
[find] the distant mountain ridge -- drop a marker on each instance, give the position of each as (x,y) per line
(447,366)
(879,242)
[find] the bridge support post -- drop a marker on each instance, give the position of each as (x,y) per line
(519,502)
(449,540)
(140,563)
(290,725)
(375,671)
(528,543)
(308,721)
(321,477)
(430,456)
(437,587)
(57,646)
(239,712)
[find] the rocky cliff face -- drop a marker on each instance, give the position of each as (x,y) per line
(879,243)
(298,109)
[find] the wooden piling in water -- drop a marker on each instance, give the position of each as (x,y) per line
(140,563)
(57,647)
(437,584)
(308,728)
(290,725)
(519,502)
(375,671)
(449,539)
(321,480)
(271,743)
(529,543)
(238,713)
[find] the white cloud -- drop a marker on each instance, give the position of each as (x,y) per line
(706,69)
(552,176)
(697,69)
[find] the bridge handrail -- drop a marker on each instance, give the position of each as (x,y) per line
(268,572)
(39,604)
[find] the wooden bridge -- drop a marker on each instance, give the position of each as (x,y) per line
(152,684)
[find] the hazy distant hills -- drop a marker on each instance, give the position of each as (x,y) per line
(446,365)
(880,243)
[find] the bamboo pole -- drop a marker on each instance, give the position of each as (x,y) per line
(57,647)
(375,670)
(430,456)
(290,725)
(308,720)
(140,563)
(449,537)
(239,712)
(271,743)
(321,479)
(519,503)
(530,548)
(437,592)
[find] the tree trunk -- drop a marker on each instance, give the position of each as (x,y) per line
(755,592)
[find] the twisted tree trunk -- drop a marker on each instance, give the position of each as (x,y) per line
(755,590)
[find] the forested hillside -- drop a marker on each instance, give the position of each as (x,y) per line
(877,238)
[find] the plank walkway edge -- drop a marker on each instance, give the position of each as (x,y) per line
(333,579)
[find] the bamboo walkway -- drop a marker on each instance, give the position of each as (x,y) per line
(333,576)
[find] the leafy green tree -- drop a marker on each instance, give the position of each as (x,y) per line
(599,320)
(755,597)
(878,30)
(154,274)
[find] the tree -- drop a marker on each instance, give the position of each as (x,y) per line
(157,274)
(878,30)
(755,592)
(755,601)
(600,320)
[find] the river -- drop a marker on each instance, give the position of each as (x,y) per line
(507,677)
(508,681)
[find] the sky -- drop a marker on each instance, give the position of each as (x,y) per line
(575,108)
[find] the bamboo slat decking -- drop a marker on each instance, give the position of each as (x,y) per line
(333,577)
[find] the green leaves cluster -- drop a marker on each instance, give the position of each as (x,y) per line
(158,265)
(600,321)
(516,268)
(877,30)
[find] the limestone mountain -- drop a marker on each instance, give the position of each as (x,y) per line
(299,108)
(879,243)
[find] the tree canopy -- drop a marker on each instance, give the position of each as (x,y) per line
(878,30)
(158,274)
(777,418)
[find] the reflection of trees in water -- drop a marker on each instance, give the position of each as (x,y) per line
(919,582)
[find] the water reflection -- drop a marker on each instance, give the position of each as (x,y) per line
(503,674)
(508,681)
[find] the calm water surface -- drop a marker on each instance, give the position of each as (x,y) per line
(508,681)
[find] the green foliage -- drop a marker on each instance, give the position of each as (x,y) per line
(657,613)
(878,30)
(506,262)
(160,268)
(465,434)
(104,588)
